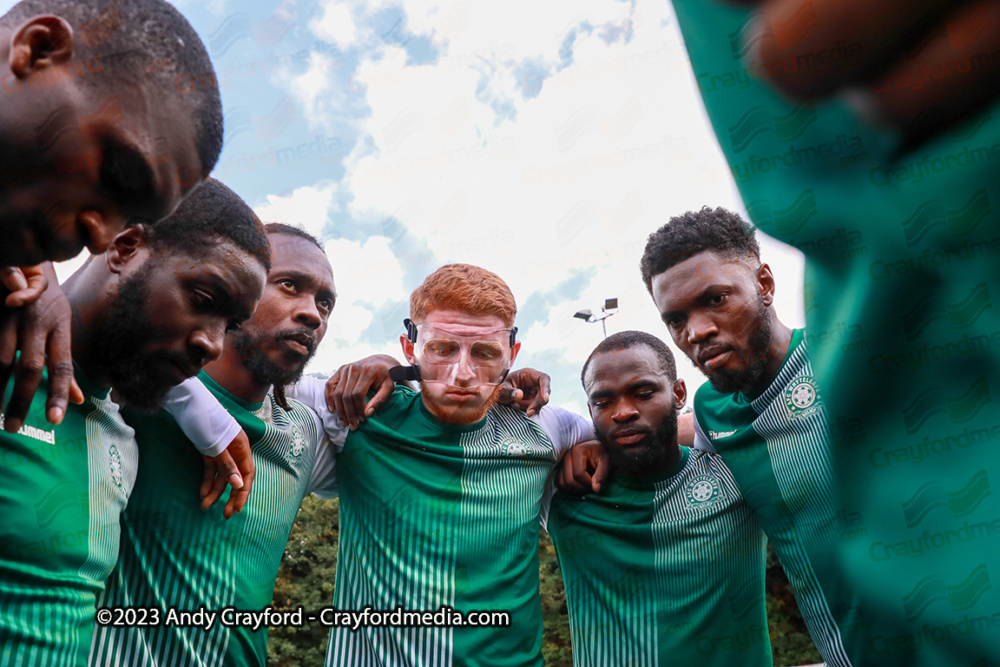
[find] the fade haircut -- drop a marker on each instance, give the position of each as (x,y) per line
(292,230)
(212,212)
(628,339)
(685,236)
(465,288)
(131,36)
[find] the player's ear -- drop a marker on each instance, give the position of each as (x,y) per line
(125,247)
(680,393)
(407,345)
(765,284)
(40,42)
(513,352)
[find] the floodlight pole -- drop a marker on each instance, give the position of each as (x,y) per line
(609,305)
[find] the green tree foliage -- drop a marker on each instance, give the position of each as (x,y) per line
(306,579)
(309,568)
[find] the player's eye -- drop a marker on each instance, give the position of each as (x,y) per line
(287,283)
(441,350)
(487,353)
(326,304)
(717,299)
(202,300)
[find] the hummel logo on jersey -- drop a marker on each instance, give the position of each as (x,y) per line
(715,435)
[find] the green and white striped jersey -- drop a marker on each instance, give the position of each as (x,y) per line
(435,515)
(778,449)
(664,570)
(175,556)
(61,494)
(901,241)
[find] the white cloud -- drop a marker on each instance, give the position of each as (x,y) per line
(312,89)
(308,206)
(611,147)
(572,177)
(336,24)
(363,274)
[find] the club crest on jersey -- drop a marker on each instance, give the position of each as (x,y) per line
(801,397)
(115,463)
(702,492)
(511,447)
(298,444)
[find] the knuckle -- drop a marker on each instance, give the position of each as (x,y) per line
(31,366)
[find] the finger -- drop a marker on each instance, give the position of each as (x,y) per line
(337,394)
(243,457)
(811,48)
(346,389)
(359,383)
(509,394)
(32,290)
(581,470)
(237,500)
(541,397)
(8,348)
(12,279)
(75,393)
(953,74)
(216,488)
(329,391)
(207,477)
(380,397)
(60,362)
(602,471)
(27,376)
(228,471)
(563,472)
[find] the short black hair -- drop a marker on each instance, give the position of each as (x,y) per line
(694,232)
(627,339)
(212,212)
(151,44)
(292,230)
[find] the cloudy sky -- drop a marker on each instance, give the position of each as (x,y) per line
(543,141)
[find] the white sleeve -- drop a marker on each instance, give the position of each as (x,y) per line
(201,417)
(323,478)
(701,440)
(543,510)
(312,392)
(563,427)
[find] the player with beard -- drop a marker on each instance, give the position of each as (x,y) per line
(146,315)
(98,126)
(440,491)
(666,566)
(761,410)
(176,556)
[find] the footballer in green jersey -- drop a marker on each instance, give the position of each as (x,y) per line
(188,565)
(141,326)
(899,229)
(761,410)
(143,142)
(665,566)
(440,492)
